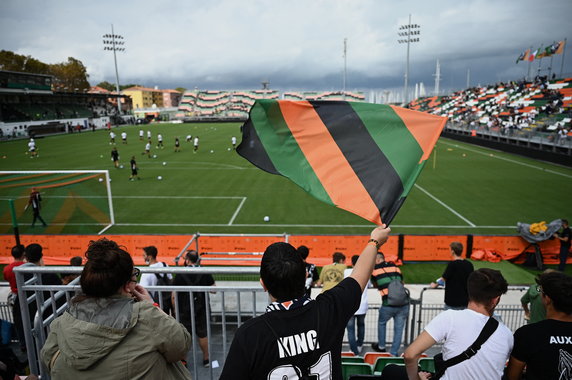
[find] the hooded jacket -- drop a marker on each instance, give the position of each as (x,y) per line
(116,338)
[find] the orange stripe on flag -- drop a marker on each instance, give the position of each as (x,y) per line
(424,127)
(330,165)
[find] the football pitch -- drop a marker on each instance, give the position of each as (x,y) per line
(462,189)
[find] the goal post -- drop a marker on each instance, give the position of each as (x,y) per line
(72,201)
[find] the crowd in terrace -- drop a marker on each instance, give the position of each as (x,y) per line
(541,105)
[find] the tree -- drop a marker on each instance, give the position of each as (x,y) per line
(181,89)
(22,63)
(108,86)
(71,75)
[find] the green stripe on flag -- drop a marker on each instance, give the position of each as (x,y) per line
(394,140)
(283,150)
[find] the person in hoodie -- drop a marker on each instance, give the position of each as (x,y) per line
(113,330)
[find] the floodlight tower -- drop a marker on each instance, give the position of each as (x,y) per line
(407,31)
(114,42)
(345,64)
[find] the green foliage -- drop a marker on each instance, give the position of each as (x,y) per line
(11,61)
(181,89)
(108,86)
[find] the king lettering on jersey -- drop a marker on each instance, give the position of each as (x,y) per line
(297,344)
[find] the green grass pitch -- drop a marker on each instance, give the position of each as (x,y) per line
(462,189)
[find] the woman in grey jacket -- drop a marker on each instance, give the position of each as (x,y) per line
(113,330)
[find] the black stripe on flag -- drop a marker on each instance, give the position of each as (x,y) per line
(365,157)
(252,149)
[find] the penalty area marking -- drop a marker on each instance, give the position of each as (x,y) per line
(444,205)
(237,211)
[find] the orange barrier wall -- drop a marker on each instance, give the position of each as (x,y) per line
(58,249)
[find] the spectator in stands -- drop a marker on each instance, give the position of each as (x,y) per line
(455,279)
(265,347)
(154,279)
(35,201)
(459,329)
(356,342)
(332,274)
(564,237)
(192,259)
(545,348)
(113,330)
(383,274)
(75,261)
(537,311)
(311,270)
(18,253)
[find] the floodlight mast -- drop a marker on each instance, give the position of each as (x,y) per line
(407,31)
(345,65)
(112,40)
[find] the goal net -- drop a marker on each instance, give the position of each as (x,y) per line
(72,202)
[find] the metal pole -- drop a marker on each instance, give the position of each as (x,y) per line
(405,95)
(345,64)
(563,53)
(528,77)
(116,71)
(14,221)
(468,77)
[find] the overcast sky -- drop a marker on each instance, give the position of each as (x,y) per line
(295,44)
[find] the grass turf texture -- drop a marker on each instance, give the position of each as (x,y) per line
(464,189)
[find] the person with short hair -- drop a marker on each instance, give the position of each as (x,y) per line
(111,138)
(545,347)
(124,137)
(32,148)
(311,270)
(160,141)
(113,330)
(152,279)
(196,144)
(35,201)
(192,259)
(458,330)
(298,336)
(177,145)
(233,142)
(455,279)
(115,157)
(383,274)
(332,274)
(75,261)
(564,237)
(18,254)
(141,134)
(147,149)
(134,168)
(536,312)
(356,342)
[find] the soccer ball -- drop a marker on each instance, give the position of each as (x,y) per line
(228,149)
(101,156)
(101,180)
(159,178)
(267,219)
(164,163)
(212,151)
(120,166)
(154,156)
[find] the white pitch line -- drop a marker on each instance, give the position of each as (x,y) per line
(273,225)
(237,211)
(131,197)
(444,205)
(508,160)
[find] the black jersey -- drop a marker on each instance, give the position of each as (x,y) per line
(115,155)
(456,276)
(309,338)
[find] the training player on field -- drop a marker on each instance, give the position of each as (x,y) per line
(115,157)
(111,138)
(196,144)
(177,145)
(147,149)
(298,336)
(149,135)
(189,138)
(124,137)
(233,141)
(133,169)
(32,148)
(35,201)
(160,141)
(141,134)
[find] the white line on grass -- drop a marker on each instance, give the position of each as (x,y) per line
(237,211)
(131,197)
(508,160)
(271,225)
(444,205)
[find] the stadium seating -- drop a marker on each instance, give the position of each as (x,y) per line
(352,359)
(371,357)
(381,362)
(349,369)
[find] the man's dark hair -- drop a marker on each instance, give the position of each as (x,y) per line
(565,221)
(303,251)
(379,253)
(557,286)
(192,256)
(283,272)
(151,251)
(485,284)
(34,253)
(338,257)
(18,252)
(354,260)
(76,261)
(457,248)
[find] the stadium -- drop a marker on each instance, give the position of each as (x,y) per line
(498,176)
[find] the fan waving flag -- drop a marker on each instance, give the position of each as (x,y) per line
(363,158)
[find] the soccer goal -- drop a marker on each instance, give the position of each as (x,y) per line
(72,201)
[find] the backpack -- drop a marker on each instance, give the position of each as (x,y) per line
(397,294)
(163,280)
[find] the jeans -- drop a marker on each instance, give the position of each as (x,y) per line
(399,315)
(360,319)
(563,258)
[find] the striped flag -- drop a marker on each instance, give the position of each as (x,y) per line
(361,157)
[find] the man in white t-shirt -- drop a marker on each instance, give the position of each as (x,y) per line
(459,329)
(358,318)
(233,141)
(152,279)
(124,137)
(196,144)
(147,150)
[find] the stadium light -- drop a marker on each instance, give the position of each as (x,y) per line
(112,39)
(408,30)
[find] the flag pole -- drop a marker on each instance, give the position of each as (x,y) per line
(539,61)
(529,65)
(434,158)
(563,53)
